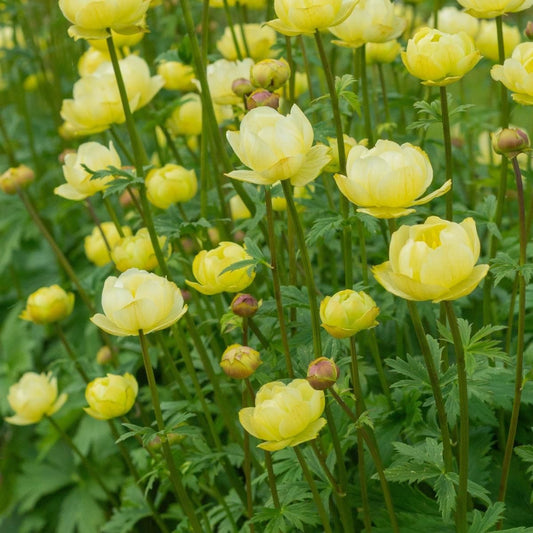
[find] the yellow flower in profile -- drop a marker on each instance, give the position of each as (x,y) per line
(516,73)
(186,119)
(349,143)
(371,21)
(259,40)
(91,19)
(34,397)
(297,17)
(177,76)
(434,261)
(386,181)
(80,184)
(487,9)
(238,208)
(47,305)
(138,300)
(208,267)
(277,147)
(487,39)
(95,246)
(170,184)
(348,312)
(111,396)
(137,252)
(284,415)
(439,58)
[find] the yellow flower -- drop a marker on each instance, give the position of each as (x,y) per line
(16,177)
(96,103)
(177,76)
(284,415)
(387,179)
(91,60)
(186,119)
(111,396)
(371,21)
(80,184)
(452,20)
(487,9)
(277,147)
(349,143)
(139,300)
(382,52)
(238,208)
(348,312)
(91,19)
(516,73)
(120,40)
(434,261)
(208,266)
(487,41)
(170,184)
(137,252)
(95,246)
(259,40)
(279,203)
(47,305)
(440,58)
(33,397)
(220,76)
(298,17)
(240,362)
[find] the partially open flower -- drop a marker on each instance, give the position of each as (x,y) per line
(244,305)
(170,184)
(322,373)
(111,396)
(137,252)
(516,73)
(270,74)
(16,177)
(510,142)
(240,362)
(96,248)
(47,305)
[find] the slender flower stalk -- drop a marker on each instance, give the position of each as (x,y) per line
(447,149)
(70,353)
(247,468)
(461,523)
(174,473)
(229,19)
(366,99)
(113,215)
(272,480)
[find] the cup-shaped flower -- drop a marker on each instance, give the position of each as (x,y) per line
(96,248)
(516,73)
(94,156)
(297,17)
(170,184)
(137,252)
(453,20)
(277,147)
(371,21)
(186,119)
(111,396)
(487,39)
(387,180)
(487,9)
(259,41)
(47,305)
(91,19)
(15,178)
(434,261)
(284,415)
(208,268)
(348,312)
(220,76)
(33,397)
(382,52)
(240,362)
(177,76)
(139,300)
(439,58)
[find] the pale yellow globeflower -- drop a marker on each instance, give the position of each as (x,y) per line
(33,397)
(439,58)
(220,76)
(453,20)
(382,52)
(111,396)
(137,252)
(177,76)
(487,9)
(297,17)
(238,208)
(170,184)
(90,60)
(277,147)
(371,21)
(434,261)
(91,19)
(387,181)
(94,156)
(516,73)
(259,40)
(138,300)
(487,39)
(284,415)
(240,362)
(208,268)
(95,246)
(47,305)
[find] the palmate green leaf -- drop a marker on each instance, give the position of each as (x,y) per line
(485,522)
(505,266)
(170,224)
(287,518)
(324,228)
(80,513)
(294,297)
(525,453)
(133,509)
(445,490)
(414,372)
(146,433)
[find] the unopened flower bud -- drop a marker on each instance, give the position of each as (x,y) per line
(529,30)
(239,361)
(242,87)
(16,177)
(155,444)
(47,305)
(270,74)
(104,355)
(262,98)
(510,142)
(244,305)
(322,373)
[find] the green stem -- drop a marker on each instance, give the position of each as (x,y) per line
(445,114)
(366,99)
(310,282)
(229,19)
(292,66)
(312,485)
(272,480)
(276,282)
(7,146)
(461,523)
(113,215)
(307,67)
(435,386)
(247,469)
(71,354)
(384,92)
(174,473)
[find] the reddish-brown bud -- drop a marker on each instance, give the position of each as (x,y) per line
(262,98)
(510,142)
(242,87)
(244,305)
(270,74)
(322,373)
